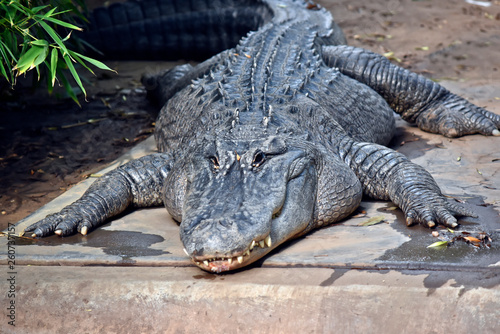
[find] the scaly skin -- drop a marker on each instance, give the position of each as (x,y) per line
(273,138)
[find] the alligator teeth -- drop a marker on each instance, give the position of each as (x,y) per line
(268,241)
(185,251)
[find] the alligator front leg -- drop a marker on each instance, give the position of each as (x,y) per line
(388,175)
(418,99)
(138,183)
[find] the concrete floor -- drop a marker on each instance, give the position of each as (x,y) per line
(131,275)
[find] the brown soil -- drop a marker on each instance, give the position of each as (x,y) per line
(49,144)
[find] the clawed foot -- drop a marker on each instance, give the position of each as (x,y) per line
(436,211)
(62,224)
(455,117)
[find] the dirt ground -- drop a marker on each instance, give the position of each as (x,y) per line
(49,144)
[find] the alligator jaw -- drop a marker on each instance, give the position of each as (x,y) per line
(217,264)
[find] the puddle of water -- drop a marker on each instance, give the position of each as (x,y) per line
(125,244)
(416,250)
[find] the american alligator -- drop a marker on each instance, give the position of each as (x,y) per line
(276,136)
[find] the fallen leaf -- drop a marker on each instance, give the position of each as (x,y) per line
(390,55)
(373,221)
(472,239)
(438,244)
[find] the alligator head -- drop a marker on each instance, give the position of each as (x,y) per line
(239,199)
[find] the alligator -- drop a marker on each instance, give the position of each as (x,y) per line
(274,137)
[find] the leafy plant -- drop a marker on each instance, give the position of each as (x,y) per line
(30,39)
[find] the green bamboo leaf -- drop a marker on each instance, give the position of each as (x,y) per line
(53,66)
(80,61)
(373,221)
(94,62)
(63,12)
(438,244)
(35,10)
(67,37)
(64,24)
(4,9)
(50,87)
(48,14)
(52,33)
(75,75)
(41,57)
(5,49)
(4,72)
(68,88)
(14,5)
(37,72)
(40,42)
(32,58)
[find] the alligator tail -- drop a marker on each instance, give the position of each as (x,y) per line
(172,29)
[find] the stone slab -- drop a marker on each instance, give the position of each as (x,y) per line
(257,300)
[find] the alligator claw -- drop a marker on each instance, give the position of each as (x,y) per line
(455,117)
(61,224)
(437,211)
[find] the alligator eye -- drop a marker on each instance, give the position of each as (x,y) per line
(258,159)
(215,162)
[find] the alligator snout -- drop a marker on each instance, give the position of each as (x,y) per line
(224,237)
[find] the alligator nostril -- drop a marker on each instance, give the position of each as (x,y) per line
(207,224)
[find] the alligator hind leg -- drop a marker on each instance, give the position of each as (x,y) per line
(418,99)
(138,183)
